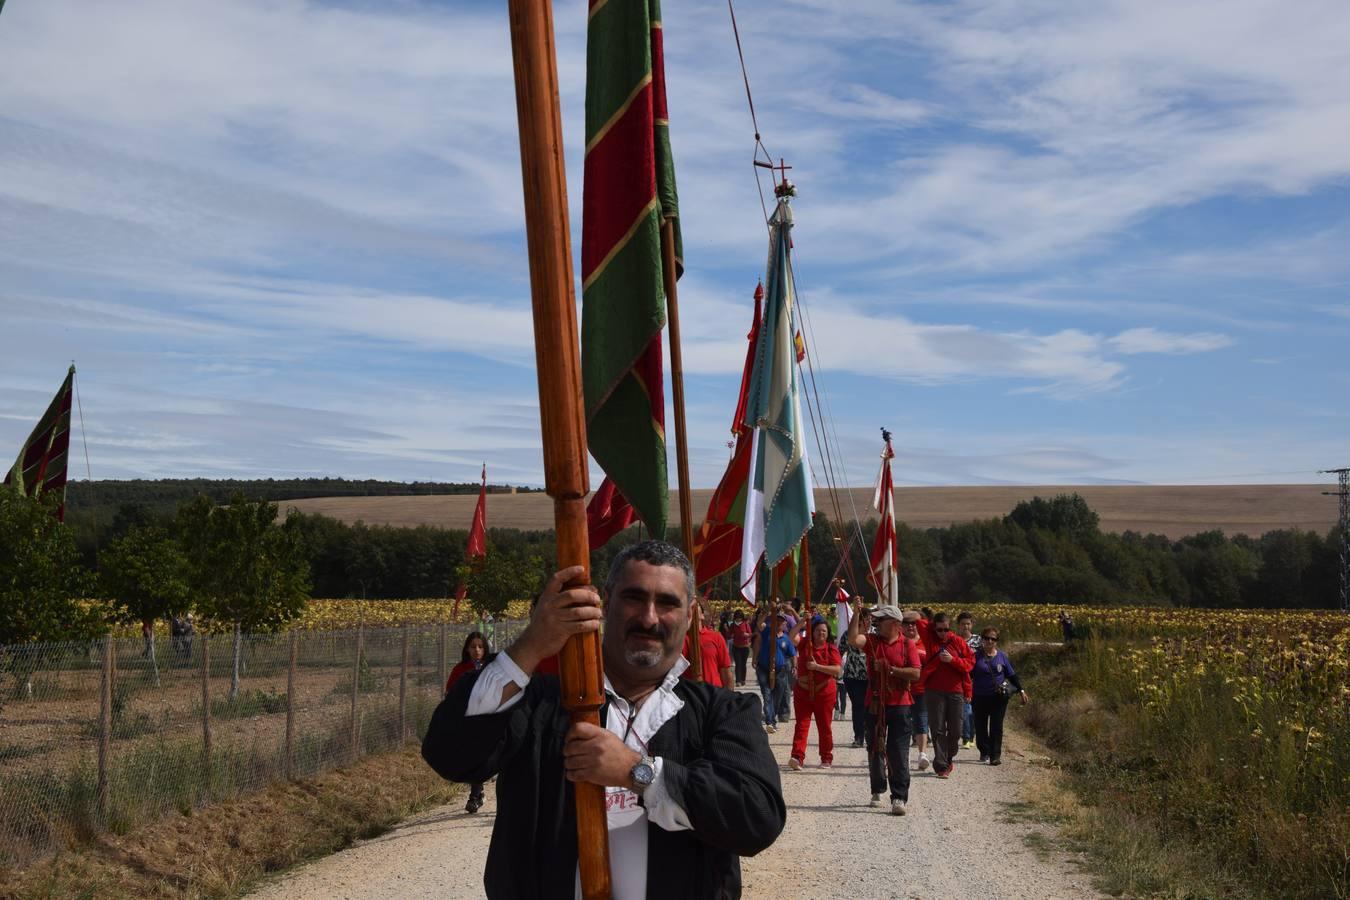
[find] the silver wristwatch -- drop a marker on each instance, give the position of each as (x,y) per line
(643,774)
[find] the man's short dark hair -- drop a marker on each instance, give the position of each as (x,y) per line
(655,553)
(963,615)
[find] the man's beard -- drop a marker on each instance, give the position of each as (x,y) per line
(645,659)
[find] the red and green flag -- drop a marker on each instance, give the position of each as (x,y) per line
(628,193)
(607,514)
(41,466)
(717,546)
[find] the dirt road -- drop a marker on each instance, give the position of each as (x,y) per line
(958,840)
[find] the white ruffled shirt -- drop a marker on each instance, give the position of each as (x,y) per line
(627,818)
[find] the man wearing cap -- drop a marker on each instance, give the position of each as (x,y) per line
(892,664)
(818,665)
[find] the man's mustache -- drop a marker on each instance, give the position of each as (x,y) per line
(658,633)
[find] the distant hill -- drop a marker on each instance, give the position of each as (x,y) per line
(91,497)
(1171,510)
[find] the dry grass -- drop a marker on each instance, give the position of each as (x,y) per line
(220,850)
(1173,510)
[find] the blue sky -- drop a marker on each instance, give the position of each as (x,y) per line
(1041,242)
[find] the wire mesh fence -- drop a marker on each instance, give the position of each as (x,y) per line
(107,735)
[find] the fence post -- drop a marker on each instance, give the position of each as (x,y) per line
(206,710)
(356,683)
(403,691)
(105,729)
(440,658)
(290,711)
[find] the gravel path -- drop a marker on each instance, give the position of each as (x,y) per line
(958,840)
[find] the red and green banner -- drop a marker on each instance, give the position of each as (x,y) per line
(629,191)
(41,466)
(607,514)
(717,546)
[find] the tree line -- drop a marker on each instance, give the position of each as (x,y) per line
(237,564)
(92,506)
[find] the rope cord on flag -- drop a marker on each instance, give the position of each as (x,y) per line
(84,439)
(754,122)
(821,407)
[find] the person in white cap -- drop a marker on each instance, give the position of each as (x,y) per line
(893,664)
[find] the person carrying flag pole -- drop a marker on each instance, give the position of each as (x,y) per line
(893,665)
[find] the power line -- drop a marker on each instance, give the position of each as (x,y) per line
(1343,477)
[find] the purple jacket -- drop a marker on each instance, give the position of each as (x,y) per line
(990,672)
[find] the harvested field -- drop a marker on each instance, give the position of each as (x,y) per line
(1172,510)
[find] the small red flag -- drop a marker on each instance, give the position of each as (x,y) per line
(477,548)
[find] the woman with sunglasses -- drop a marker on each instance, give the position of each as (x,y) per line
(993,682)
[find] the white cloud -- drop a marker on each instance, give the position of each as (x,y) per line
(1151,340)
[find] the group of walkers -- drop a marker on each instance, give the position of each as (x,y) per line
(909,675)
(689,779)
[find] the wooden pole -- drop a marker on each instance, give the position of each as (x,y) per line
(440,658)
(558,361)
(105,728)
(356,687)
(290,711)
(681,438)
(206,709)
(403,691)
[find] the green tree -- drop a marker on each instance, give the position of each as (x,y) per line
(144,574)
(41,578)
(243,568)
(500,577)
(1064,514)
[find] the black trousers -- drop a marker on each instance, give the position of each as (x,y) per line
(896,769)
(856,688)
(740,655)
(988,712)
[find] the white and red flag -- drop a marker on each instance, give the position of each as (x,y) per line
(886,546)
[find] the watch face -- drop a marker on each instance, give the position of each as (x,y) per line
(643,774)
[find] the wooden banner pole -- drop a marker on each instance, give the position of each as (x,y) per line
(558,362)
(681,438)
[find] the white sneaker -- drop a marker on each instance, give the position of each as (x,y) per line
(897,807)
(826,765)
(794,764)
(769,729)
(876,800)
(924,762)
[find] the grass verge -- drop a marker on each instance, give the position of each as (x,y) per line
(219,851)
(1175,800)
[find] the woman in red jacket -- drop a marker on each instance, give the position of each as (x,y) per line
(472,658)
(814,694)
(945,673)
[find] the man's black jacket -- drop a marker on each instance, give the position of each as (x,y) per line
(717,766)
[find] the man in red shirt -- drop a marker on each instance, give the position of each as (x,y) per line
(716,659)
(742,634)
(945,673)
(813,695)
(892,664)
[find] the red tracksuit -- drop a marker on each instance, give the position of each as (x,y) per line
(821,707)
